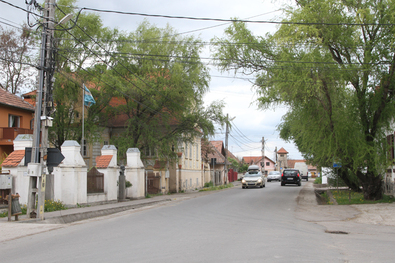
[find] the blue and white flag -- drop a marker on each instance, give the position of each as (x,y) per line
(88,98)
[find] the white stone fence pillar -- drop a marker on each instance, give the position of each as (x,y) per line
(135,173)
(70,176)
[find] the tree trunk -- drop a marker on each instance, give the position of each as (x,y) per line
(371,185)
(344,175)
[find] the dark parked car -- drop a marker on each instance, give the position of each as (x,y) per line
(291,176)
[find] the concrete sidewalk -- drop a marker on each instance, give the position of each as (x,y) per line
(59,219)
(366,218)
(92,211)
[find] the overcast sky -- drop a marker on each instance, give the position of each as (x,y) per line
(237,93)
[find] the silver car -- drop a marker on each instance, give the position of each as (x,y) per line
(274,176)
(253,178)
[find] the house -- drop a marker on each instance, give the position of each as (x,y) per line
(267,165)
(282,159)
(16,117)
(217,162)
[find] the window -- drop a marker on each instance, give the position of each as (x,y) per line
(190,152)
(105,143)
(267,163)
(13,121)
(197,151)
(149,151)
(281,155)
(186,150)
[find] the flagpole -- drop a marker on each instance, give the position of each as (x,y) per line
(83,119)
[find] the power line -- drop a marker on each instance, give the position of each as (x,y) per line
(20,8)
(233,20)
(240,133)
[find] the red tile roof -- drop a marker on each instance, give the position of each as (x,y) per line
(103,161)
(255,159)
(30,97)
(12,100)
(217,153)
(252,159)
(282,150)
(14,158)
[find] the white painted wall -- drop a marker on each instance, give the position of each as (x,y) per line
(20,182)
(70,177)
(191,179)
(135,173)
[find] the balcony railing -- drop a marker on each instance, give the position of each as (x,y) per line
(10,133)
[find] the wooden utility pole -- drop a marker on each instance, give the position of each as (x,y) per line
(263,156)
(226,146)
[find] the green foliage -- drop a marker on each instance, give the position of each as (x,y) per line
(346,197)
(161,101)
(208,184)
(318,180)
(51,206)
(152,195)
(340,101)
(243,168)
(128,184)
(74,48)
(214,188)
(234,164)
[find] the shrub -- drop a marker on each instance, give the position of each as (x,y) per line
(209,184)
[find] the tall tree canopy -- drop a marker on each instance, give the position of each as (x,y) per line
(332,63)
(159,81)
(76,46)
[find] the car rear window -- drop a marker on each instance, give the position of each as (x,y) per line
(290,172)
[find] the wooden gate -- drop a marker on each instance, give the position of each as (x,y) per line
(153,183)
(95,181)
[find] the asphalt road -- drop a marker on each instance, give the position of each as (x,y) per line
(235,225)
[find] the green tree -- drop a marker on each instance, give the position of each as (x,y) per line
(76,47)
(234,164)
(332,63)
(159,80)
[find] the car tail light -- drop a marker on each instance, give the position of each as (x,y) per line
(282,174)
(298,175)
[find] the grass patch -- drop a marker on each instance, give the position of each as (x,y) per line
(318,180)
(209,184)
(152,195)
(345,197)
(49,206)
(214,188)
